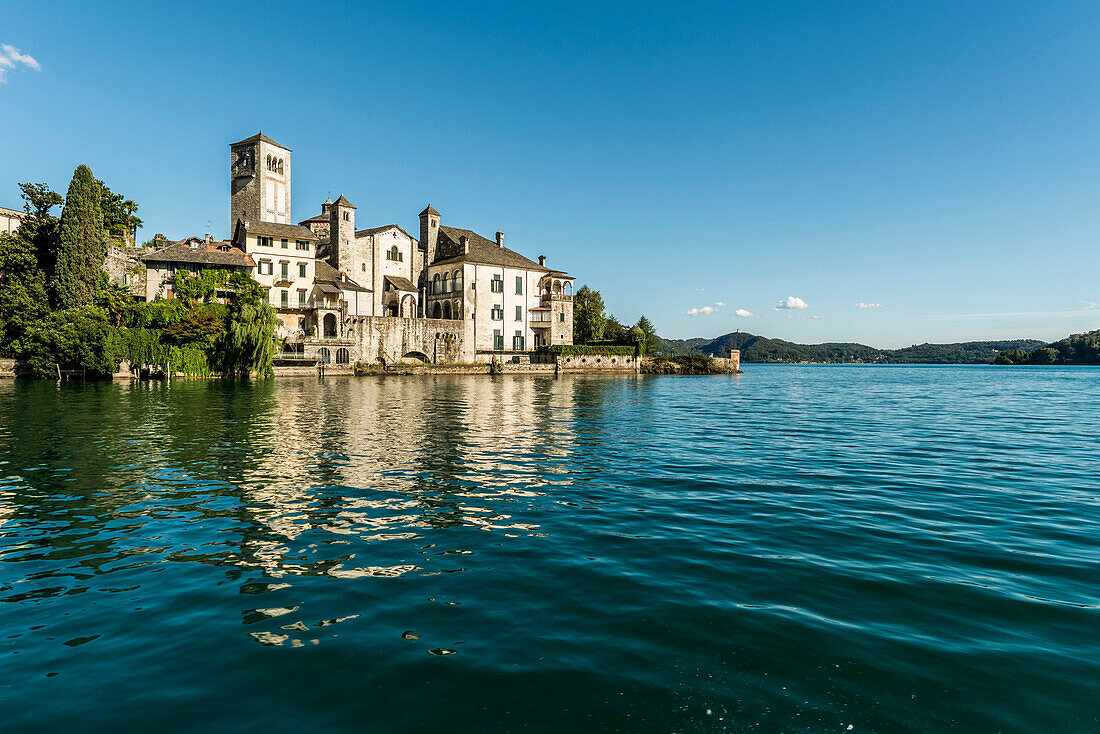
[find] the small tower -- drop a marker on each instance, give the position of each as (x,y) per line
(259,170)
(341,233)
(429,233)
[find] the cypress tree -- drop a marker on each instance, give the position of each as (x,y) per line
(82,248)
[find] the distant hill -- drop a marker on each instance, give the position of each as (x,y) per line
(756,348)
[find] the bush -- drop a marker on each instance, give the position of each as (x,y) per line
(74,339)
(578,350)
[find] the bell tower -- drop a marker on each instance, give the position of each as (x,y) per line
(259,170)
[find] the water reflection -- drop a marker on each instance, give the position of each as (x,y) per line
(272,482)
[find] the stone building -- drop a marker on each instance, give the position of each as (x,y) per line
(380,294)
(10,220)
(193,255)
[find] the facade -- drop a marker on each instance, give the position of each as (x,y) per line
(10,220)
(379,293)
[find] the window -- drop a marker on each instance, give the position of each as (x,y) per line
(324,356)
(301,270)
(561,316)
(301,298)
(265,267)
(394,254)
(519,285)
(446,283)
(283,244)
(435,285)
(517,342)
(498,340)
(284,298)
(347,216)
(457,278)
(519,313)
(342,356)
(284,271)
(363,267)
(497,314)
(497,285)
(301,245)
(265,242)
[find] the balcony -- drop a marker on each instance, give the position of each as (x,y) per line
(547,297)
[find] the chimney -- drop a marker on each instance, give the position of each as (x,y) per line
(542,261)
(209,239)
(465,244)
(500,239)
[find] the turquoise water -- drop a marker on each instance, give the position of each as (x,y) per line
(797,549)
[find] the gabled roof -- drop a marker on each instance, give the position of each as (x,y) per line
(323,272)
(401,284)
(274,229)
(261,137)
(482,251)
(323,218)
(383,228)
(203,253)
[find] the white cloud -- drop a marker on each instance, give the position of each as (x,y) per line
(700,290)
(720,304)
(815,318)
(701,311)
(868,305)
(744,313)
(791,302)
(11,58)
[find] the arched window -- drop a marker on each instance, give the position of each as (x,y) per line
(447,310)
(446,283)
(280,165)
(458,280)
(457,311)
(557,287)
(324,355)
(437,312)
(342,356)
(435,285)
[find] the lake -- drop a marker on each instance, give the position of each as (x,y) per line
(801,548)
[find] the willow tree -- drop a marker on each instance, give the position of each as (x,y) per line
(248,344)
(82,245)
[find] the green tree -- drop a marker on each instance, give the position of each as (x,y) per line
(76,339)
(613,330)
(41,229)
(82,245)
(648,341)
(23,299)
(119,216)
(248,342)
(588,318)
(1043,355)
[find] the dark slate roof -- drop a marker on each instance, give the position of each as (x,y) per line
(324,273)
(383,228)
(203,254)
(560,274)
(401,284)
(343,202)
(288,231)
(259,136)
(319,218)
(482,251)
(428,210)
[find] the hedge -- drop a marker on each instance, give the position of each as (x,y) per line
(577,350)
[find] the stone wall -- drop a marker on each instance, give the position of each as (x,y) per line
(598,363)
(389,340)
(8,369)
(125,267)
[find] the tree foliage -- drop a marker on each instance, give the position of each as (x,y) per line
(82,244)
(588,318)
(248,342)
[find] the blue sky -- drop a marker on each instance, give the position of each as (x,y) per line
(936,161)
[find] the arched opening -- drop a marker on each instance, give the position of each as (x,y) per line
(391,309)
(457,278)
(557,287)
(324,356)
(342,356)
(447,310)
(415,357)
(457,312)
(568,287)
(437,312)
(329,326)
(446,283)
(435,284)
